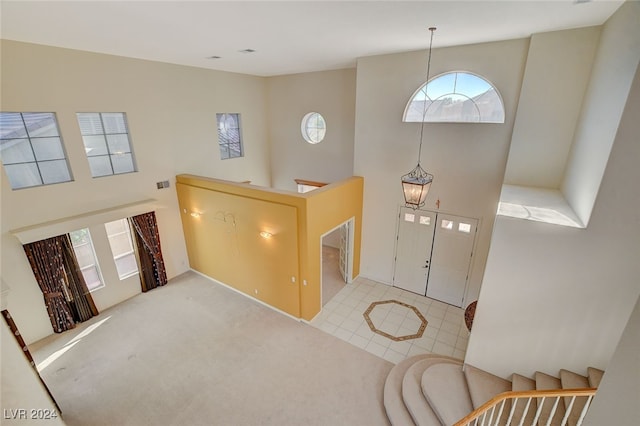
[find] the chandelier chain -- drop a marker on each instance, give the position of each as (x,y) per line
(424,113)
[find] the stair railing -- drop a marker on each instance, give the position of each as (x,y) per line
(491,412)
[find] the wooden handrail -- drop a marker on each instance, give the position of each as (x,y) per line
(310,183)
(547,393)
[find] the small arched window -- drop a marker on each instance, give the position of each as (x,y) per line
(455,97)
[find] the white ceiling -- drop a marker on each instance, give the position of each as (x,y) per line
(288,36)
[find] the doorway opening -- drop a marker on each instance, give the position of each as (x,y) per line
(336,260)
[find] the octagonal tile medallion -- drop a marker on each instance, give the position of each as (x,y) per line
(393,320)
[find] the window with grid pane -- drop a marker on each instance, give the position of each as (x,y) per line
(86,255)
(107,143)
(229,135)
(119,235)
(456,97)
(31,149)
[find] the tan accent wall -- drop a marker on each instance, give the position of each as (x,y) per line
(222,222)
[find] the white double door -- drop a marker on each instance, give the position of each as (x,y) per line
(433,254)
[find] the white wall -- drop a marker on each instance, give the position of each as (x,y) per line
(554,83)
(555,297)
(171,114)
(616,402)
(291,97)
(615,64)
(467,160)
(21,388)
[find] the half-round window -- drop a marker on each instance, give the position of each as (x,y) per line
(455,97)
(313,127)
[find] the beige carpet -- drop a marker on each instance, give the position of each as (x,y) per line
(196,353)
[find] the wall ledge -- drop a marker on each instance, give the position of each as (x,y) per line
(537,204)
(65,225)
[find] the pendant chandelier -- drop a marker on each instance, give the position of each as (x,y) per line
(417,182)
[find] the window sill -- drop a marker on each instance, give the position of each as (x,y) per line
(133,274)
(537,204)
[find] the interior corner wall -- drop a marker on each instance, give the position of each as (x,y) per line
(291,97)
(613,70)
(468,160)
(556,297)
(171,112)
(616,402)
(557,74)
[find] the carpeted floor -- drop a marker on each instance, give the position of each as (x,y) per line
(196,353)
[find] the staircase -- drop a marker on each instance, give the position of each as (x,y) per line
(435,390)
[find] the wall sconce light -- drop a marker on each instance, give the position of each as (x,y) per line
(266,235)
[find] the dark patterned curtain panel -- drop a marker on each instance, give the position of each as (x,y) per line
(80,299)
(66,296)
(147,238)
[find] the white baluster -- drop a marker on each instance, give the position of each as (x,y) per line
(553,411)
(567,412)
(584,410)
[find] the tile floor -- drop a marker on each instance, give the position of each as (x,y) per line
(342,316)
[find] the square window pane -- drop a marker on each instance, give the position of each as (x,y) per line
(446,224)
(40,124)
(114,122)
(90,123)
(122,163)
(464,227)
(92,278)
(126,265)
(54,171)
(120,244)
(100,166)
(11,126)
(116,227)
(95,145)
(84,254)
(118,144)
(425,220)
(16,151)
(47,148)
(80,237)
(409,217)
(23,175)
(235,150)
(224,152)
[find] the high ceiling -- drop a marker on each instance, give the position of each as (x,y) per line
(288,36)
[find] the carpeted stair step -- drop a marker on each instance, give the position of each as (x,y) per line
(571,380)
(445,388)
(393,404)
(417,406)
(595,376)
(483,386)
(545,382)
(521,383)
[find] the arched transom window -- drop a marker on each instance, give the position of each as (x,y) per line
(455,97)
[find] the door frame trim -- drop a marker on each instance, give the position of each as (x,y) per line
(473,249)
